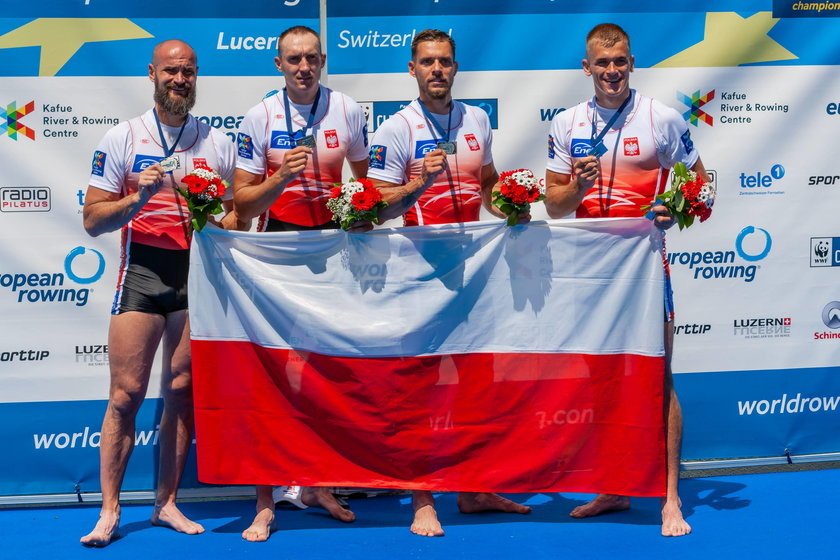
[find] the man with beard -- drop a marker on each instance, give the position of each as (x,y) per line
(607,157)
(292,147)
(441,147)
(136,168)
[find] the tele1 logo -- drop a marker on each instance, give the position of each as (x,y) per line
(762,180)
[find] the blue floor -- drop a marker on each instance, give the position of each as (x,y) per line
(781,515)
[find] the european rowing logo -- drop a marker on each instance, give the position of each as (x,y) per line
(246,146)
(694,114)
(98,165)
(10,120)
(377,157)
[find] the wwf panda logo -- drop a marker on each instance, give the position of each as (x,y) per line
(821,249)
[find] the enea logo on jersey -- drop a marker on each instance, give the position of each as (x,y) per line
(141,162)
(281,140)
(377,157)
(423,147)
(97,166)
(751,245)
(825,251)
(25,199)
(580,147)
(246,146)
(81,266)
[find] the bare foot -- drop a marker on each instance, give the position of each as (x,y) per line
(322,497)
(425,522)
(106,530)
(261,527)
(673,524)
(603,503)
(169,515)
(474,502)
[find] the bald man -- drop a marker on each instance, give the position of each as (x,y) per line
(135,170)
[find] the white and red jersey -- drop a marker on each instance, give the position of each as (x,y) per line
(132,146)
(401,142)
(340,131)
(646,140)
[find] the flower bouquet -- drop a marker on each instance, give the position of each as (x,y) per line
(357,199)
(203,194)
(689,197)
(519,188)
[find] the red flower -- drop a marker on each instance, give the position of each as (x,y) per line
(366,200)
(516,193)
(335,192)
(367,183)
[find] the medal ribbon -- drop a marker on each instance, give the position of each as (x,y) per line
(309,120)
(595,140)
(433,121)
(167,151)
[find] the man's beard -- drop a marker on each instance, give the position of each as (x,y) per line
(174,105)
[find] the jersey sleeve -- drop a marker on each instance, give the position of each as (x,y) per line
(673,138)
(357,124)
(486,131)
(251,141)
(559,153)
(108,168)
(390,152)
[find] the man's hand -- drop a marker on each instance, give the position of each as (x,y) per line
(663,219)
(294,161)
(586,171)
(150,181)
(433,163)
(360,226)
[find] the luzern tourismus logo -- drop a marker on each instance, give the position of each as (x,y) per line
(825,251)
(752,245)
(81,267)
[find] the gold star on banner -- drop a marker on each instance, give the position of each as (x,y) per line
(730,40)
(60,38)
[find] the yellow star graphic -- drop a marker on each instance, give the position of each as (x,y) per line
(730,40)
(60,38)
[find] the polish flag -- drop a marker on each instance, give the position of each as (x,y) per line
(471,357)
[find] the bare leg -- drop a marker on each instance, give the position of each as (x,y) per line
(263,523)
(133,338)
(176,423)
(673,523)
(474,502)
(425,522)
(322,497)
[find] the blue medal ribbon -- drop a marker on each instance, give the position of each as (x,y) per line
(167,151)
(433,121)
(597,140)
(309,121)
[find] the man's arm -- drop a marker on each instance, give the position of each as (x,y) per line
(401,198)
(252,196)
(359,168)
(563,194)
(489,180)
(106,211)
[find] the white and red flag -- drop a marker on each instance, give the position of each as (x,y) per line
(471,357)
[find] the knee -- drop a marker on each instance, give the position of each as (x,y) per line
(178,387)
(125,400)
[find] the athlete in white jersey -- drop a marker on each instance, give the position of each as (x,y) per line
(401,143)
(130,190)
(288,161)
(447,173)
(638,148)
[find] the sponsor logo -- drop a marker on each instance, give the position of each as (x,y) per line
(832,109)
(92,354)
(472,142)
(10,123)
(377,112)
(817,180)
(763,327)
(751,245)
(24,355)
(377,156)
(695,115)
(831,319)
(785,405)
(757,182)
(631,146)
(423,147)
(688,144)
(580,147)
(693,328)
(141,162)
(550,146)
(281,140)
(246,146)
(548,113)
(332,138)
(227,124)
(825,251)
(25,199)
(82,266)
(97,166)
